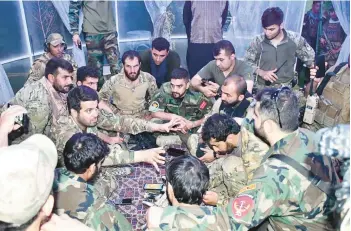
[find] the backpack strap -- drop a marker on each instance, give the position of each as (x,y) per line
(325,187)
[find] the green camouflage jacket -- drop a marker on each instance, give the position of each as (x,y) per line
(277,192)
(193,106)
(77,198)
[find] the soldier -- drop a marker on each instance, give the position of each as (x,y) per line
(310,24)
(332,38)
(159,61)
(89,76)
(83,108)
(282,191)
(99,30)
(129,92)
(273,53)
(187,182)
(54,46)
(74,191)
(211,77)
(175,100)
(26,176)
(45,100)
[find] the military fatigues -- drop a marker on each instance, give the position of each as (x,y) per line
(277,191)
(99,29)
(334,103)
(126,99)
(264,55)
(66,128)
(37,71)
(78,198)
(44,105)
(193,106)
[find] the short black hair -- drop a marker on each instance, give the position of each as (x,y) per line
(265,93)
(272,16)
(160,44)
(180,73)
(287,104)
(78,95)
(238,81)
(189,178)
(225,45)
(131,55)
(54,64)
(219,127)
(315,2)
(83,150)
(85,71)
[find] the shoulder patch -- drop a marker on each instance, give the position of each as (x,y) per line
(247,188)
(154,105)
(242,205)
(203,104)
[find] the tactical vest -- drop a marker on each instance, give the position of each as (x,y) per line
(334,103)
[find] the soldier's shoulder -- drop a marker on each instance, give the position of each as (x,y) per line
(147,76)
(293,36)
(165,89)
(258,39)
(35,90)
(68,57)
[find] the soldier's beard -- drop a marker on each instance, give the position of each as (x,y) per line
(62,89)
(177,95)
(96,174)
(129,75)
(274,36)
(230,104)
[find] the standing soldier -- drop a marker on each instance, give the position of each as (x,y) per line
(99,30)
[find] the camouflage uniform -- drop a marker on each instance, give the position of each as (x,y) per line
(193,106)
(67,127)
(44,105)
(125,99)
(37,71)
(277,191)
(334,103)
(78,198)
(99,29)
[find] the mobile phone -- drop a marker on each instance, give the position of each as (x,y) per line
(175,152)
(124,201)
(153,187)
(320,63)
(80,45)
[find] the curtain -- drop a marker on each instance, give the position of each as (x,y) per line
(162,19)
(246,20)
(62,8)
(342,10)
(6,92)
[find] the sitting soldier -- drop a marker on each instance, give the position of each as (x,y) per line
(54,46)
(187,182)
(74,190)
(175,100)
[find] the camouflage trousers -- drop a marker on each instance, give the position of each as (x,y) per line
(100,45)
(227,177)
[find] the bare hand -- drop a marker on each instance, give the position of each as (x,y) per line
(210,198)
(7,119)
(323,41)
(152,156)
(116,140)
(209,92)
(213,86)
(209,155)
(63,222)
(172,125)
(268,75)
(76,39)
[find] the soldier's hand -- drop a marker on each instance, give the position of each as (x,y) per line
(63,222)
(268,75)
(208,157)
(7,119)
(76,39)
(208,92)
(173,125)
(116,140)
(152,156)
(210,198)
(313,71)
(213,86)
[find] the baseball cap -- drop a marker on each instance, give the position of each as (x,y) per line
(26,178)
(55,39)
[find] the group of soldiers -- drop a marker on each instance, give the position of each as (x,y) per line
(249,167)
